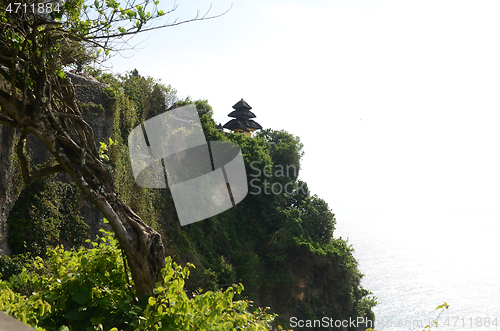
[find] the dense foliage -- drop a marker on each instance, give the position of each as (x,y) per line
(46,214)
(90,289)
(278,242)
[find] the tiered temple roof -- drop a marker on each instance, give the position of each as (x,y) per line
(242,121)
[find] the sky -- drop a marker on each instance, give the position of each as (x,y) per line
(396,102)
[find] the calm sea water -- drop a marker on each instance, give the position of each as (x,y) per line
(412,265)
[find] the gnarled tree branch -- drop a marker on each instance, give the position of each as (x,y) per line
(28,177)
(8,122)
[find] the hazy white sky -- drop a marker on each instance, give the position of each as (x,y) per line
(396,102)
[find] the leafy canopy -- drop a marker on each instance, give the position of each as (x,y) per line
(95,28)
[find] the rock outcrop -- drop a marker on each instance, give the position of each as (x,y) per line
(97,109)
(8,186)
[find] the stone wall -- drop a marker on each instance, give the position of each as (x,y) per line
(97,109)
(7,185)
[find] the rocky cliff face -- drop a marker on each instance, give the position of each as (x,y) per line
(97,109)
(314,289)
(7,185)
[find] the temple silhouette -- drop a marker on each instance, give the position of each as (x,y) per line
(241,121)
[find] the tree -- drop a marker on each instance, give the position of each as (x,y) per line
(36,98)
(318,219)
(286,149)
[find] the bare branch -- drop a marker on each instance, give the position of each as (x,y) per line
(29,178)
(167,25)
(9,108)
(12,59)
(45,171)
(64,136)
(8,122)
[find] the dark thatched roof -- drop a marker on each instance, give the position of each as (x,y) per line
(242,121)
(242,104)
(242,124)
(242,109)
(242,113)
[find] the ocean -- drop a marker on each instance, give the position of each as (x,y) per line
(414,264)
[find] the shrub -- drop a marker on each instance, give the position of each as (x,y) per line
(46,214)
(172,309)
(84,289)
(88,289)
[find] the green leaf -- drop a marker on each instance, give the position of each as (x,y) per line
(130,13)
(151,301)
(122,30)
(95,320)
(443,305)
(84,261)
(76,315)
(79,293)
(52,297)
(60,73)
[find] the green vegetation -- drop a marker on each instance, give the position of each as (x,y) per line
(90,289)
(44,215)
(444,306)
(279,246)
(37,98)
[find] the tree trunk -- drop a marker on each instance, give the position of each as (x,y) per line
(141,244)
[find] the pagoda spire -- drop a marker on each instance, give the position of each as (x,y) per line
(241,121)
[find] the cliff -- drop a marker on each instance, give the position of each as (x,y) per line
(7,185)
(97,109)
(280,247)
